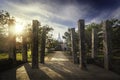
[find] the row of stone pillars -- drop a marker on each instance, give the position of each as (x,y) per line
(12,43)
(34,36)
(82,51)
(106,43)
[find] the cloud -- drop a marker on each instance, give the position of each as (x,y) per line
(61,17)
(58,28)
(26,13)
(116,13)
(70,12)
(61,14)
(104,15)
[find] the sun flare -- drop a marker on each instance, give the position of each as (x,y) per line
(18,29)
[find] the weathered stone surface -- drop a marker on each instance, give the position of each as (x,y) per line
(35,44)
(107,43)
(94,43)
(24,55)
(12,40)
(74,53)
(43,44)
(58,70)
(81,33)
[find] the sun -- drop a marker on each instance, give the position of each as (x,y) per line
(19,28)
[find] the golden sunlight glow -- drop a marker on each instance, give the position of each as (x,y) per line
(18,29)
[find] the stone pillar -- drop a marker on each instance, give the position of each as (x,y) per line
(35,44)
(12,40)
(81,34)
(24,55)
(74,53)
(94,43)
(107,43)
(43,44)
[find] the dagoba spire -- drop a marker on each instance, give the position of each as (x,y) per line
(59,38)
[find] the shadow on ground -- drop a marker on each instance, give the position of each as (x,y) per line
(36,74)
(58,67)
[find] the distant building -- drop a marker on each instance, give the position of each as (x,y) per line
(64,46)
(59,38)
(61,45)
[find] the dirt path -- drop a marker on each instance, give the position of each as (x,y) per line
(58,67)
(57,56)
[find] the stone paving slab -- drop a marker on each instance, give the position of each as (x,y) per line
(58,70)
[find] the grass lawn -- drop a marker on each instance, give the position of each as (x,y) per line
(114,57)
(3,56)
(18,56)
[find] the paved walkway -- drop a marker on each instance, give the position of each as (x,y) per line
(58,67)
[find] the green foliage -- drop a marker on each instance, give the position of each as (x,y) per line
(3,56)
(115,36)
(4,18)
(88,32)
(67,37)
(93,25)
(45,30)
(18,56)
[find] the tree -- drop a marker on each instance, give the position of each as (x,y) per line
(47,30)
(4,18)
(44,31)
(67,37)
(88,35)
(115,36)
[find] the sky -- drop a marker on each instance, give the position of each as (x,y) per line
(61,14)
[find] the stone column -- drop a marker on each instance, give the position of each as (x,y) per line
(94,43)
(81,34)
(35,44)
(74,53)
(24,55)
(107,44)
(43,44)
(12,40)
